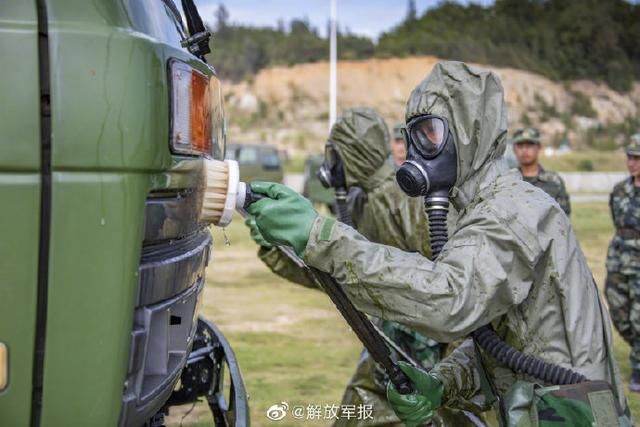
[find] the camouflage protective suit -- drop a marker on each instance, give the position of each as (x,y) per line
(623,266)
(551,183)
(512,260)
(384,214)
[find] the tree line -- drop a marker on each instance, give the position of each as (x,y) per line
(239,52)
(561,39)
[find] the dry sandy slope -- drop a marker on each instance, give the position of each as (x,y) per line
(297,97)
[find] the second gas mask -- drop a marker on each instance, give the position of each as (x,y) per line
(432,162)
(331,175)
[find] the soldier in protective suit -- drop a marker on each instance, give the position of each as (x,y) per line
(357,156)
(512,263)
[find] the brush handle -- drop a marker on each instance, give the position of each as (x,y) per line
(251,197)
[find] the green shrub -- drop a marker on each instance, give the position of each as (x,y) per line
(582,105)
(585,165)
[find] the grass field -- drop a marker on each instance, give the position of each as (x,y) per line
(290,342)
(585,161)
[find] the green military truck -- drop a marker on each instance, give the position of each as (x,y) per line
(107,107)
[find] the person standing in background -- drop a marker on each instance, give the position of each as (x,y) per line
(526,146)
(622,287)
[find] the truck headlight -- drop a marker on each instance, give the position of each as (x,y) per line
(197,119)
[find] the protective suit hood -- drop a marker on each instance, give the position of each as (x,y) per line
(472,101)
(362,139)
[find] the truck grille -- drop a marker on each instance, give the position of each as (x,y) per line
(170,281)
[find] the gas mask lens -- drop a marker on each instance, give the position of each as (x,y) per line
(428,134)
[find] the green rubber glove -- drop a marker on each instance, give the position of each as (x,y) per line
(417,408)
(256,236)
(284,217)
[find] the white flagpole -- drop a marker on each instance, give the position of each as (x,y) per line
(333,48)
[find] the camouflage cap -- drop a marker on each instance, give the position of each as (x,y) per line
(531,135)
(633,148)
(397,131)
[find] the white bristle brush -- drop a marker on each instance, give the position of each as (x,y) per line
(223,192)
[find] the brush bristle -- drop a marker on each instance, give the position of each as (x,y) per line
(215,192)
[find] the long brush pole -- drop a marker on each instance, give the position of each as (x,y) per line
(360,324)
(363,328)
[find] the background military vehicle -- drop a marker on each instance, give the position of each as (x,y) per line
(258,162)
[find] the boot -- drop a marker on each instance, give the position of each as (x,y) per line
(634,384)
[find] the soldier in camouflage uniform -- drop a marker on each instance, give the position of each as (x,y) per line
(623,260)
(526,146)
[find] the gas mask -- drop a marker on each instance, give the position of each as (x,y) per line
(331,175)
(430,171)
(432,162)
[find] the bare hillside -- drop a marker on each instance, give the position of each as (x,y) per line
(289,105)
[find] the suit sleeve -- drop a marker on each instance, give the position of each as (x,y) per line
(483,271)
(281,265)
(460,375)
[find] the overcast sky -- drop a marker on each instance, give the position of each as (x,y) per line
(366,17)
